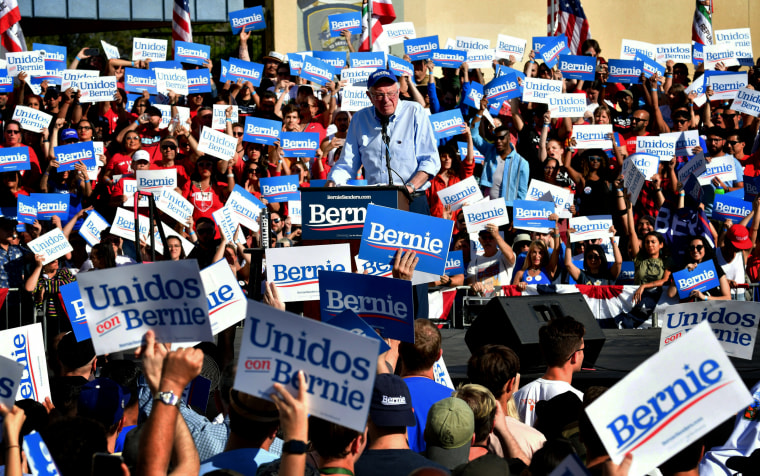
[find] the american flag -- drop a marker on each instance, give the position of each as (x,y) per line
(382,14)
(566,17)
(182,30)
(11,36)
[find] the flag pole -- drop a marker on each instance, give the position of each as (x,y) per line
(369,25)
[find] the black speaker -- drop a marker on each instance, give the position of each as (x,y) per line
(514,322)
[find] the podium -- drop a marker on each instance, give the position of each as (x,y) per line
(338,213)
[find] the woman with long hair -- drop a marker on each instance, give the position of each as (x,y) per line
(595,269)
(591,186)
(699,251)
(452,171)
(539,266)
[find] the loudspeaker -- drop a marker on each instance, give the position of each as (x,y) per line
(514,322)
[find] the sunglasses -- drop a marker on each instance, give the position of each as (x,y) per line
(680,121)
(593,257)
(252,171)
(84,128)
(276,220)
(502,137)
(168,146)
(204,165)
(12,131)
(594,159)
(696,247)
(732,142)
(728,116)
(237,133)
(202,231)
(639,119)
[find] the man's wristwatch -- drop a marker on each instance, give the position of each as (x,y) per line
(414,189)
(167,398)
(295,447)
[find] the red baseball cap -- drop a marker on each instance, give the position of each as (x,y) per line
(738,235)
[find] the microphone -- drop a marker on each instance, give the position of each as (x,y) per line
(386,141)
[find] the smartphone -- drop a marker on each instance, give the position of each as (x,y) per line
(106,464)
(91,51)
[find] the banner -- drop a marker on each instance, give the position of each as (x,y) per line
(250,19)
(447,123)
(226,301)
(14,158)
(49,204)
(339,214)
(350,21)
(317,71)
(171,80)
(507,46)
(71,154)
(539,90)
(563,198)
(357,76)
(577,67)
(26,346)
(701,278)
(52,245)
(147,48)
(299,144)
(295,270)
(97,89)
(533,215)
(697,389)
(696,166)
(198,81)
(123,303)
(747,101)
(625,71)
(174,204)
(246,71)
(400,67)
(662,147)
(191,53)
(388,230)
(726,86)
(26,209)
(464,191)
(501,89)
(721,167)
(567,105)
(552,48)
(751,188)
(30,62)
(72,301)
(217,144)
(592,136)
(395,33)
(678,52)
(386,304)
(455,263)
(140,80)
(246,207)
(629,48)
(478,215)
(731,208)
(31,119)
(92,226)
(590,228)
(354,98)
(421,48)
(448,58)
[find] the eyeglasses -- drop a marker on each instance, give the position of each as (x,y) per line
(728,116)
(575,352)
(680,121)
(237,133)
(203,165)
(132,138)
(84,128)
(715,139)
(141,105)
(732,142)
(593,257)
(168,146)
(379,96)
(503,137)
(594,159)
(252,171)
(696,247)
(12,131)
(639,119)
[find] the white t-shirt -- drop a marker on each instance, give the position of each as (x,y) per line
(539,389)
(734,270)
(491,271)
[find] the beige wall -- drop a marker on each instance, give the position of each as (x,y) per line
(655,21)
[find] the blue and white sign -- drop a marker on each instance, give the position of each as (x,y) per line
(139,80)
(336,59)
(6,82)
(97,89)
(92,226)
(447,58)
(719,53)
(539,42)
(154,181)
(169,64)
(217,143)
(538,90)
(650,66)
(653,419)
(468,43)
(386,304)
(191,53)
(31,119)
(374,269)
(678,52)
(696,166)
(387,230)
(261,131)
(693,188)
(55,60)
(731,208)
(148,48)
(454,263)
(123,303)
(26,346)
(447,123)
(14,158)
(395,33)
(250,19)
(479,214)
(594,136)
(577,67)
(356,76)
(462,192)
(71,154)
(590,227)
(400,67)
(198,81)
(246,207)
(354,98)
(721,167)
(629,49)
(111,51)
(507,46)
(701,278)
(49,204)
(501,89)
(219,116)
(567,105)
(662,147)
(553,47)
(751,188)
(562,196)
(624,71)
(367,59)
(339,214)
(350,22)
(747,101)
(339,366)
(245,70)
(317,70)
(295,270)
(647,164)
(30,62)
(685,141)
(227,225)
(38,456)
(351,322)
(726,86)
(474,95)
(26,209)
(533,215)
(174,80)
(279,189)
(462,146)
(740,41)
(226,301)
(52,245)
(72,299)
(421,48)
(299,144)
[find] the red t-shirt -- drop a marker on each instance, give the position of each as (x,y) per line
(119,163)
(183,180)
(207,201)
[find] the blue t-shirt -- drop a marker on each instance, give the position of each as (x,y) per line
(425,393)
(244,460)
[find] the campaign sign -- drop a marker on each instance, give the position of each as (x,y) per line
(647,164)
(223,72)
(26,346)
(388,230)
(97,88)
(590,227)
(697,389)
(562,197)
(692,188)
(246,71)
(261,131)
(71,154)
(507,46)
(225,221)
(721,167)
(662,147)
(354,98)
(351,322)
(72,300)
(52,245)
(294,212)
(747,101)
(448,58)
(250,19)
(592,136)
(123,303)
(373,269)
(462,192)
(685,141)
(198,81)
(350,21)
(734,324)
(55,57)
(336,59)
(174,80)
(226,301)
(698,86)
(553,47)
(454,263)
(467,43)
(356,76)
(339,366)
(30,62)
(14,158)
(678,52)
(49,204)
(279,189)
(139,80)
(6,82)
(501,89)
(148,48)
(719,53)
(577,67)
(299,144)
(474,95)
(533,215)
(400,67)
(447,123)
(701,278)
(386,304)
(11,372)
(627,273)
(31,119)
(740,41)
(567,105)
(650,66)
(338,214)
(726,86)
(696,166)
(731,208)
(156,180)
(26,209)
(191,53)
(219,116)
(92,226)
(751,188)
(111,51)
(625,71)
(170,64)
(478,215)
(124,225)
(295,270)
(539,90)
(421,48)
(317,70)
(245,206)
(38,456)
(629,48)
(217,143)
(395,33)
(480,58)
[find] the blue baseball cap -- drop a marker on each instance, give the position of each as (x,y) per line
(380,75)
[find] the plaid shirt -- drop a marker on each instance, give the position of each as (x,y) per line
(11,267)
